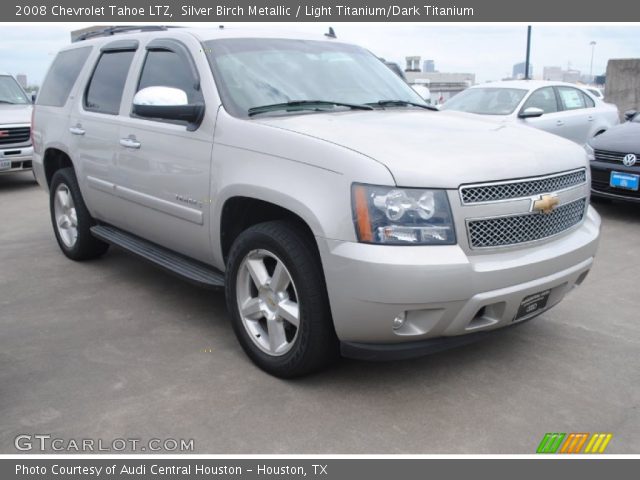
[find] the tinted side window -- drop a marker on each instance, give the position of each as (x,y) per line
(544,98)
(104,92)
(163,68)
(572,98)
(62,75)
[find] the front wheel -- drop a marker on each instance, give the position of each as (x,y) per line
(278,302)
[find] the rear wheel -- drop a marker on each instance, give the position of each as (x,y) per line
(277,298)
(71,219)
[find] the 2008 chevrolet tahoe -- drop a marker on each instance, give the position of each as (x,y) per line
(341,214)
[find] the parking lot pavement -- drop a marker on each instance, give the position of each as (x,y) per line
(116,348)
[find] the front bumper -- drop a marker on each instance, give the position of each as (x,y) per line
(20,158)
(600,176)
(443,292)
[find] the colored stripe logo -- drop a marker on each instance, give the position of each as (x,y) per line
(574,443)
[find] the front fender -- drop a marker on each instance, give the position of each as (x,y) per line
(322,198)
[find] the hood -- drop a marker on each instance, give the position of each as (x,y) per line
(623,138)
(423,148)
(15,114)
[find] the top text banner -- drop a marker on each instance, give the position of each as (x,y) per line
(176,11)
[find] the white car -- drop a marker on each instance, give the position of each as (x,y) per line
(556,107)
(15,126)
(596,92)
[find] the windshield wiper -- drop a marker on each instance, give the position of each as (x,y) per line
(400,103)
(6,101)
(305,104)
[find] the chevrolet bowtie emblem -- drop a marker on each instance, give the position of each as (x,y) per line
(545,204)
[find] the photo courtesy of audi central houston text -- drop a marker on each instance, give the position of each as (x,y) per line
(319,238)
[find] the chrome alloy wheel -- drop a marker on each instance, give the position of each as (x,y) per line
(64,211)
(268,302)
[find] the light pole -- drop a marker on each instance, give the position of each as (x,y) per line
(526,62)
(593,48)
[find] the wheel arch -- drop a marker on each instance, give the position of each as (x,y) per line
(53,160)
(239,212)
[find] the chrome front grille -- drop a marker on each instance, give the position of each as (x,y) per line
(11,135)
(527,187)
(609,157)
(529,227)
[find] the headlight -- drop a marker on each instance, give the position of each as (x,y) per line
(591,154)
(402,216)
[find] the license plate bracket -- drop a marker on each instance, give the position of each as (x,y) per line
(5,164)
(532,305)
(625,181)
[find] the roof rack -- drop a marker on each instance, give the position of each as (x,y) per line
(105,32)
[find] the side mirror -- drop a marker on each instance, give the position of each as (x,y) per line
(629,114)
(167,103)
(531,112)
(33,98)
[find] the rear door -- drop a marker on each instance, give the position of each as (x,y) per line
(94,127)
(51,114)
(164,168)
(577,115)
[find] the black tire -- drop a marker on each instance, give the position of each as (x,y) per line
(315,345)
(86,246)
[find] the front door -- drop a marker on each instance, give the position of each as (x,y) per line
(164,168)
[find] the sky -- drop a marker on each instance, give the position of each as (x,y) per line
(489,51)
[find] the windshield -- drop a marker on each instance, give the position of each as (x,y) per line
(257,72)
(486,101)
(10,91)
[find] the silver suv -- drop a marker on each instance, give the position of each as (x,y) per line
(15,126)
(340,213)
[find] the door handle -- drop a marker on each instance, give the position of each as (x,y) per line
(590,118)
(130,142)
(77,130)
(559,123)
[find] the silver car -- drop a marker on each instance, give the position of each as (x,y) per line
(560,108)
(340,213)
(15,126)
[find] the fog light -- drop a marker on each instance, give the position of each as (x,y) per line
(398,322)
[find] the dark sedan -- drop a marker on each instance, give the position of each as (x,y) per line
(615,160)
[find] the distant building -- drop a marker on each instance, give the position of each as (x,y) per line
(442,85)
(519,70)
(428,66)
(22,80)
(552,73)
(587,79)
(557,74)
(571,76)
(413,64)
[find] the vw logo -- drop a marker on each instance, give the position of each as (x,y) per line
(629,160)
